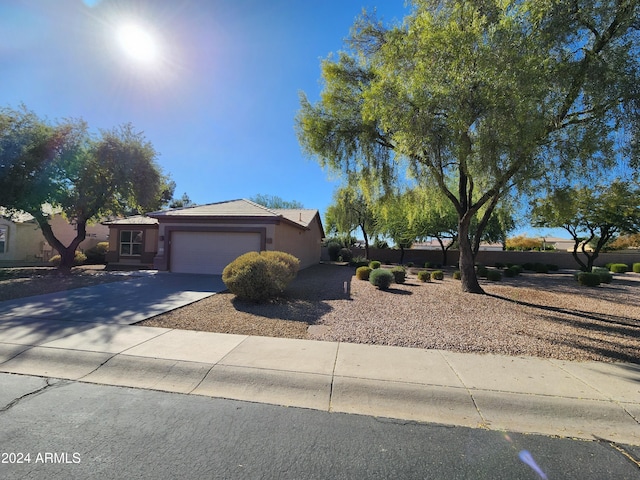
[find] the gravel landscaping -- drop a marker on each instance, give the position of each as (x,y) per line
(544,315)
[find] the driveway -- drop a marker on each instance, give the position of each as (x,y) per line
(143,296)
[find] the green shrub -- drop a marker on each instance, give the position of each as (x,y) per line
(381,278)
(287,261)
(619,267)
(79,259)
(345,255)
(260,276)
(636,268)
(359,262)
(424,276)
(528,266)
(588,279)
(482,271)
(600,269)
(499,265)
(541,268)
(517,268)
(374,264)
(362,273)
(509,272)
(399,274)
(457,275)
(494,275)
(409,264)
(552,267)
(427,264)
(437,275)
(96,255)
(605,277)
(333,248)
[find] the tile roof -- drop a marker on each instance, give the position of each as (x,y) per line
(135,220)
(240,208)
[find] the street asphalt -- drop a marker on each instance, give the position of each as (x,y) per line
(85,335)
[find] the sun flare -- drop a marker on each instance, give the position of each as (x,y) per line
(138,43)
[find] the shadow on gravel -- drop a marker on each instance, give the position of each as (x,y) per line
(616,326)
(305,299)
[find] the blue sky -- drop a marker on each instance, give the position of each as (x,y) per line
(218,104)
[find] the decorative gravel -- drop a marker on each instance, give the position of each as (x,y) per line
(543,315)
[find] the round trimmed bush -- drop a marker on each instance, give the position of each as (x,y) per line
(381,278)
(588,279)
(494,275)
(345,255)
(636,268)
(96,255)
(424,276)
(260,276)
(374,264)
(513,271)
(79,259)
(482,271)
(541,268)
(362,273)
(333,248)
(457,275)
(399,274)
(359,262)
(619,267)
(437,275)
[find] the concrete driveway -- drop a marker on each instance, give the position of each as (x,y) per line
(144,295)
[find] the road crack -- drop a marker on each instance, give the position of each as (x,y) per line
(49,383)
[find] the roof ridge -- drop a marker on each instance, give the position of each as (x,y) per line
(260,206)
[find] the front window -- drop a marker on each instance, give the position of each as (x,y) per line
(3,239)
(131,242)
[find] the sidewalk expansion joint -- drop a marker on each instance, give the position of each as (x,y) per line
(333,376)
(621,450)
(484,423)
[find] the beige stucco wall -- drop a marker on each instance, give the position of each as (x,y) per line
(65,232)
(24,241)
(303,244)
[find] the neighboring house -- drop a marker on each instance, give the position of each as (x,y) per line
(21,239)
(206,238)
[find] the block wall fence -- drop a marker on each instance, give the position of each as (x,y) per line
(562,259)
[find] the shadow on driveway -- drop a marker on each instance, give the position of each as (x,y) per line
(126,302)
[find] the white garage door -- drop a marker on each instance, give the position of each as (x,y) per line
(209,252)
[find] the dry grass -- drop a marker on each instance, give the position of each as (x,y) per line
(534,314)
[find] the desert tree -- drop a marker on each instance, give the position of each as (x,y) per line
(483,96)
(55,167)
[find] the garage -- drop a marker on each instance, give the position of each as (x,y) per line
(209,252)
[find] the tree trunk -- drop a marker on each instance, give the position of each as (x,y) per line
(366,242)
(468,275)
(444,251)
(67,253)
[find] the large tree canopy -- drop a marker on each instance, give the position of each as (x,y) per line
(480,96)
(59,167)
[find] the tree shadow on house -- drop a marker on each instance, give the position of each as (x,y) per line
(306,299)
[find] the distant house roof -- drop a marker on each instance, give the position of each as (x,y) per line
(241,208)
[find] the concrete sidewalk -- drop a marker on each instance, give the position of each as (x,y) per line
(570,399)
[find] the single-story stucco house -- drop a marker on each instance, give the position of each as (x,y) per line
(206,238)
